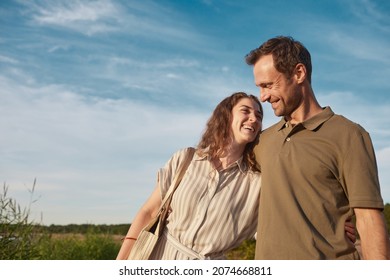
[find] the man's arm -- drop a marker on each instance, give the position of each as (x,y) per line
(371,226)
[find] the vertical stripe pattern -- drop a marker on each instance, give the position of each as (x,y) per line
(212,212)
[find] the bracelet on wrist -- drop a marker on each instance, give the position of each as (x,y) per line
(129,237)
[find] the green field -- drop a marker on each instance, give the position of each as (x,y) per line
(21,239)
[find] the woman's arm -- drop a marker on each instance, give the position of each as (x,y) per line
(143,217)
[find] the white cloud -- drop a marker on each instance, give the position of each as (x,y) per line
(149,59)
(372,13)
(383,155)
(150,20)
(88,17)
(176,79)
(86,152)
(361,48)
(6,59)
(58,48)
(383,159)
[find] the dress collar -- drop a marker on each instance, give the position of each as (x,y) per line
(240,163)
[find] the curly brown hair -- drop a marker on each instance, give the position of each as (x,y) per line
(218,131)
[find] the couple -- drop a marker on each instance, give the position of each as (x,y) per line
(318,169)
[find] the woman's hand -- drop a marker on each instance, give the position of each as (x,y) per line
(350,231)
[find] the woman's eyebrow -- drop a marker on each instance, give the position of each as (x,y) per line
(258,112)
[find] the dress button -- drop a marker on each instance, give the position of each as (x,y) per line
(288,139)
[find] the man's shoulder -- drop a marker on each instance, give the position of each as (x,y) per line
(341,122)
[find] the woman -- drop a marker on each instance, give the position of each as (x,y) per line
(215,206)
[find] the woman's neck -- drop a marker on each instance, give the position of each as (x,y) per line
(229,155)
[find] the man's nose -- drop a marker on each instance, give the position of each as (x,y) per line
(264,94)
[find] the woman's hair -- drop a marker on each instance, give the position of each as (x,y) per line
(218,132)
(286,53)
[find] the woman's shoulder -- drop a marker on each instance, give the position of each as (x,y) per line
(180,155)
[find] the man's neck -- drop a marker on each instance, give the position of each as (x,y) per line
(308,109)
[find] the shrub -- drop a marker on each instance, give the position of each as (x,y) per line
(18,236)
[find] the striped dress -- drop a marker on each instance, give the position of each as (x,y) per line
(211,212)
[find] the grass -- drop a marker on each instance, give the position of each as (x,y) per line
(246,251)
(21,239)
(90,246)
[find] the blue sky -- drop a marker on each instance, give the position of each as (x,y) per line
(97,95)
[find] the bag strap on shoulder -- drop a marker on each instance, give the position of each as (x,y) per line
(180,173)
(163,212)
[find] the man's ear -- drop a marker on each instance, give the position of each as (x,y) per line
(300,73)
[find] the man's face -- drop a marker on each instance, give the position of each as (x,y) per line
(275,87)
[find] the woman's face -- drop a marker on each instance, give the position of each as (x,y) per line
(246,121)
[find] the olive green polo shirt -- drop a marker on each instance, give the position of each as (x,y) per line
(313,174)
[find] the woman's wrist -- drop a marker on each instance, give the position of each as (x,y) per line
(129,238)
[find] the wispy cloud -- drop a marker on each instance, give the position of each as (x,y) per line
(96,95)
(58,48)
(146,19)
(372,13)
(10,60)
(52,115)
(169,79)
(67,140)
(87,17)
(361,48)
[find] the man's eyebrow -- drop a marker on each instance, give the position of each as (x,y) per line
(264,84)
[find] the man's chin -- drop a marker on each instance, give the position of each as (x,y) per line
(278,114)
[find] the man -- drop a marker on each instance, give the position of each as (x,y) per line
(318,168)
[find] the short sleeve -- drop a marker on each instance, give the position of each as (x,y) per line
(361,174)
(166,174)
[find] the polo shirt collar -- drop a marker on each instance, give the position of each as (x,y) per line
(313,122)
